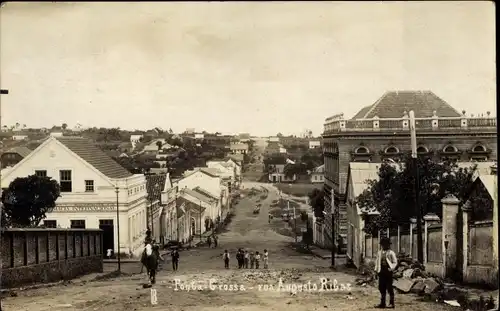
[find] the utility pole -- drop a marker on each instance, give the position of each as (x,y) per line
(418,210)
(294,224)
(2,92)
(117,190)
(332,205)
(200,220)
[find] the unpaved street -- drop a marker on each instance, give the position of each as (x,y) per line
(203,284)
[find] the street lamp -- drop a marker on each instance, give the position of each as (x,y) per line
(117,190)
(414,157)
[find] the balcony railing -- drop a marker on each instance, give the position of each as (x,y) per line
(402,124)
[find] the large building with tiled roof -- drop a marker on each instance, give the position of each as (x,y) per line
(91,183)
(380,131)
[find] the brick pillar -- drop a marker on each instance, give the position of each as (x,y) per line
(450,214)
(466,209)
(429,219)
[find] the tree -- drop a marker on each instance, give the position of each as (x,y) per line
(64,126)
(28,199)
(393,192)
(317,202)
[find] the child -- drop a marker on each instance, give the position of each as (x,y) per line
(246,259)
(385,265)
(252,260)
(257,260)
(266,259)
(226,259)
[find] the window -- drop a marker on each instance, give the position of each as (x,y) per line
(65,180)
(89,186)
(422,149)
(41,173)
(50,223)
(391,150)
(361,150)
(78,224)
(449,149)
(479,148)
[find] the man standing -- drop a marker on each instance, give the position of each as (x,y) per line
(385,264)
(246,259)
(175,260)
(209,241)
(266,259)
(225,257)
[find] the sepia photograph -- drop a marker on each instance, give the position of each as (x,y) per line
(243,156)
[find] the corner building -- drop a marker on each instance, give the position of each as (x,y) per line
(381,131)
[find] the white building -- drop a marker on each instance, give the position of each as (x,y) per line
(239,148)
(19,137)
(89,180)
(314,144)
(56,134)
(278,174)
(169,196)
(274,139)
(318,174)
(199,136)
(134,139)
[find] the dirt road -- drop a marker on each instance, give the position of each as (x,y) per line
(202,284)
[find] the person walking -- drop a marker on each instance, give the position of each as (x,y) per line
(175,260)
(257,260)
(216,241)
(385,264)
(209,241)
(252,260)
(266,259)
(246,259)
(239,258)
(225,257)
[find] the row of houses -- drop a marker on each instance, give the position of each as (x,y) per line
(97,192)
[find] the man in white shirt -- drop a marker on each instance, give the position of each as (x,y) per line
(385,265)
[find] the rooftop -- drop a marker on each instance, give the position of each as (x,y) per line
(20,150)
(89,152)
(359,173)
(393,105)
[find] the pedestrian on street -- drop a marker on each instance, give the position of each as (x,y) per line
(266,259)
(385,265)
(252,260)
(209,241)
(246,259)
(257,260)
(225,257)
(239,258)
(216,241)
(175,260)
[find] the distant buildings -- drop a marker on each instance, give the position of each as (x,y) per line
(318,174)
(239,148)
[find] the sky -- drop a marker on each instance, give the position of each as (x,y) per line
(236,67)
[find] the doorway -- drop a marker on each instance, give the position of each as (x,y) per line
(108,235)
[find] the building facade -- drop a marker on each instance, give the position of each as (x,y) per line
(13,156)
(318,175)
(92,186)
(381,131)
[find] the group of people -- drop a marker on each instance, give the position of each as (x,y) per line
(247,260)
(213,239)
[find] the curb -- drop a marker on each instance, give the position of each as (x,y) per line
(77,280)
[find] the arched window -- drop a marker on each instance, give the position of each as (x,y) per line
(449,149)
(361,150)
(392,150)
(479,148)
(422,149)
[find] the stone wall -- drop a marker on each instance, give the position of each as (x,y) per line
(37,255)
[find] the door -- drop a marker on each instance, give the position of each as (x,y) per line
(108,235)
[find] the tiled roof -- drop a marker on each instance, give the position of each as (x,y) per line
(21,150)
(198,196)
(213,172)
(154,185)
(394,104)
(90,153)
(205,192)
(359,173)
(319,169)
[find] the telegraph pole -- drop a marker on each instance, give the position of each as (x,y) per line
(117,190)
(418,210)
(2,92)
(332,205)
